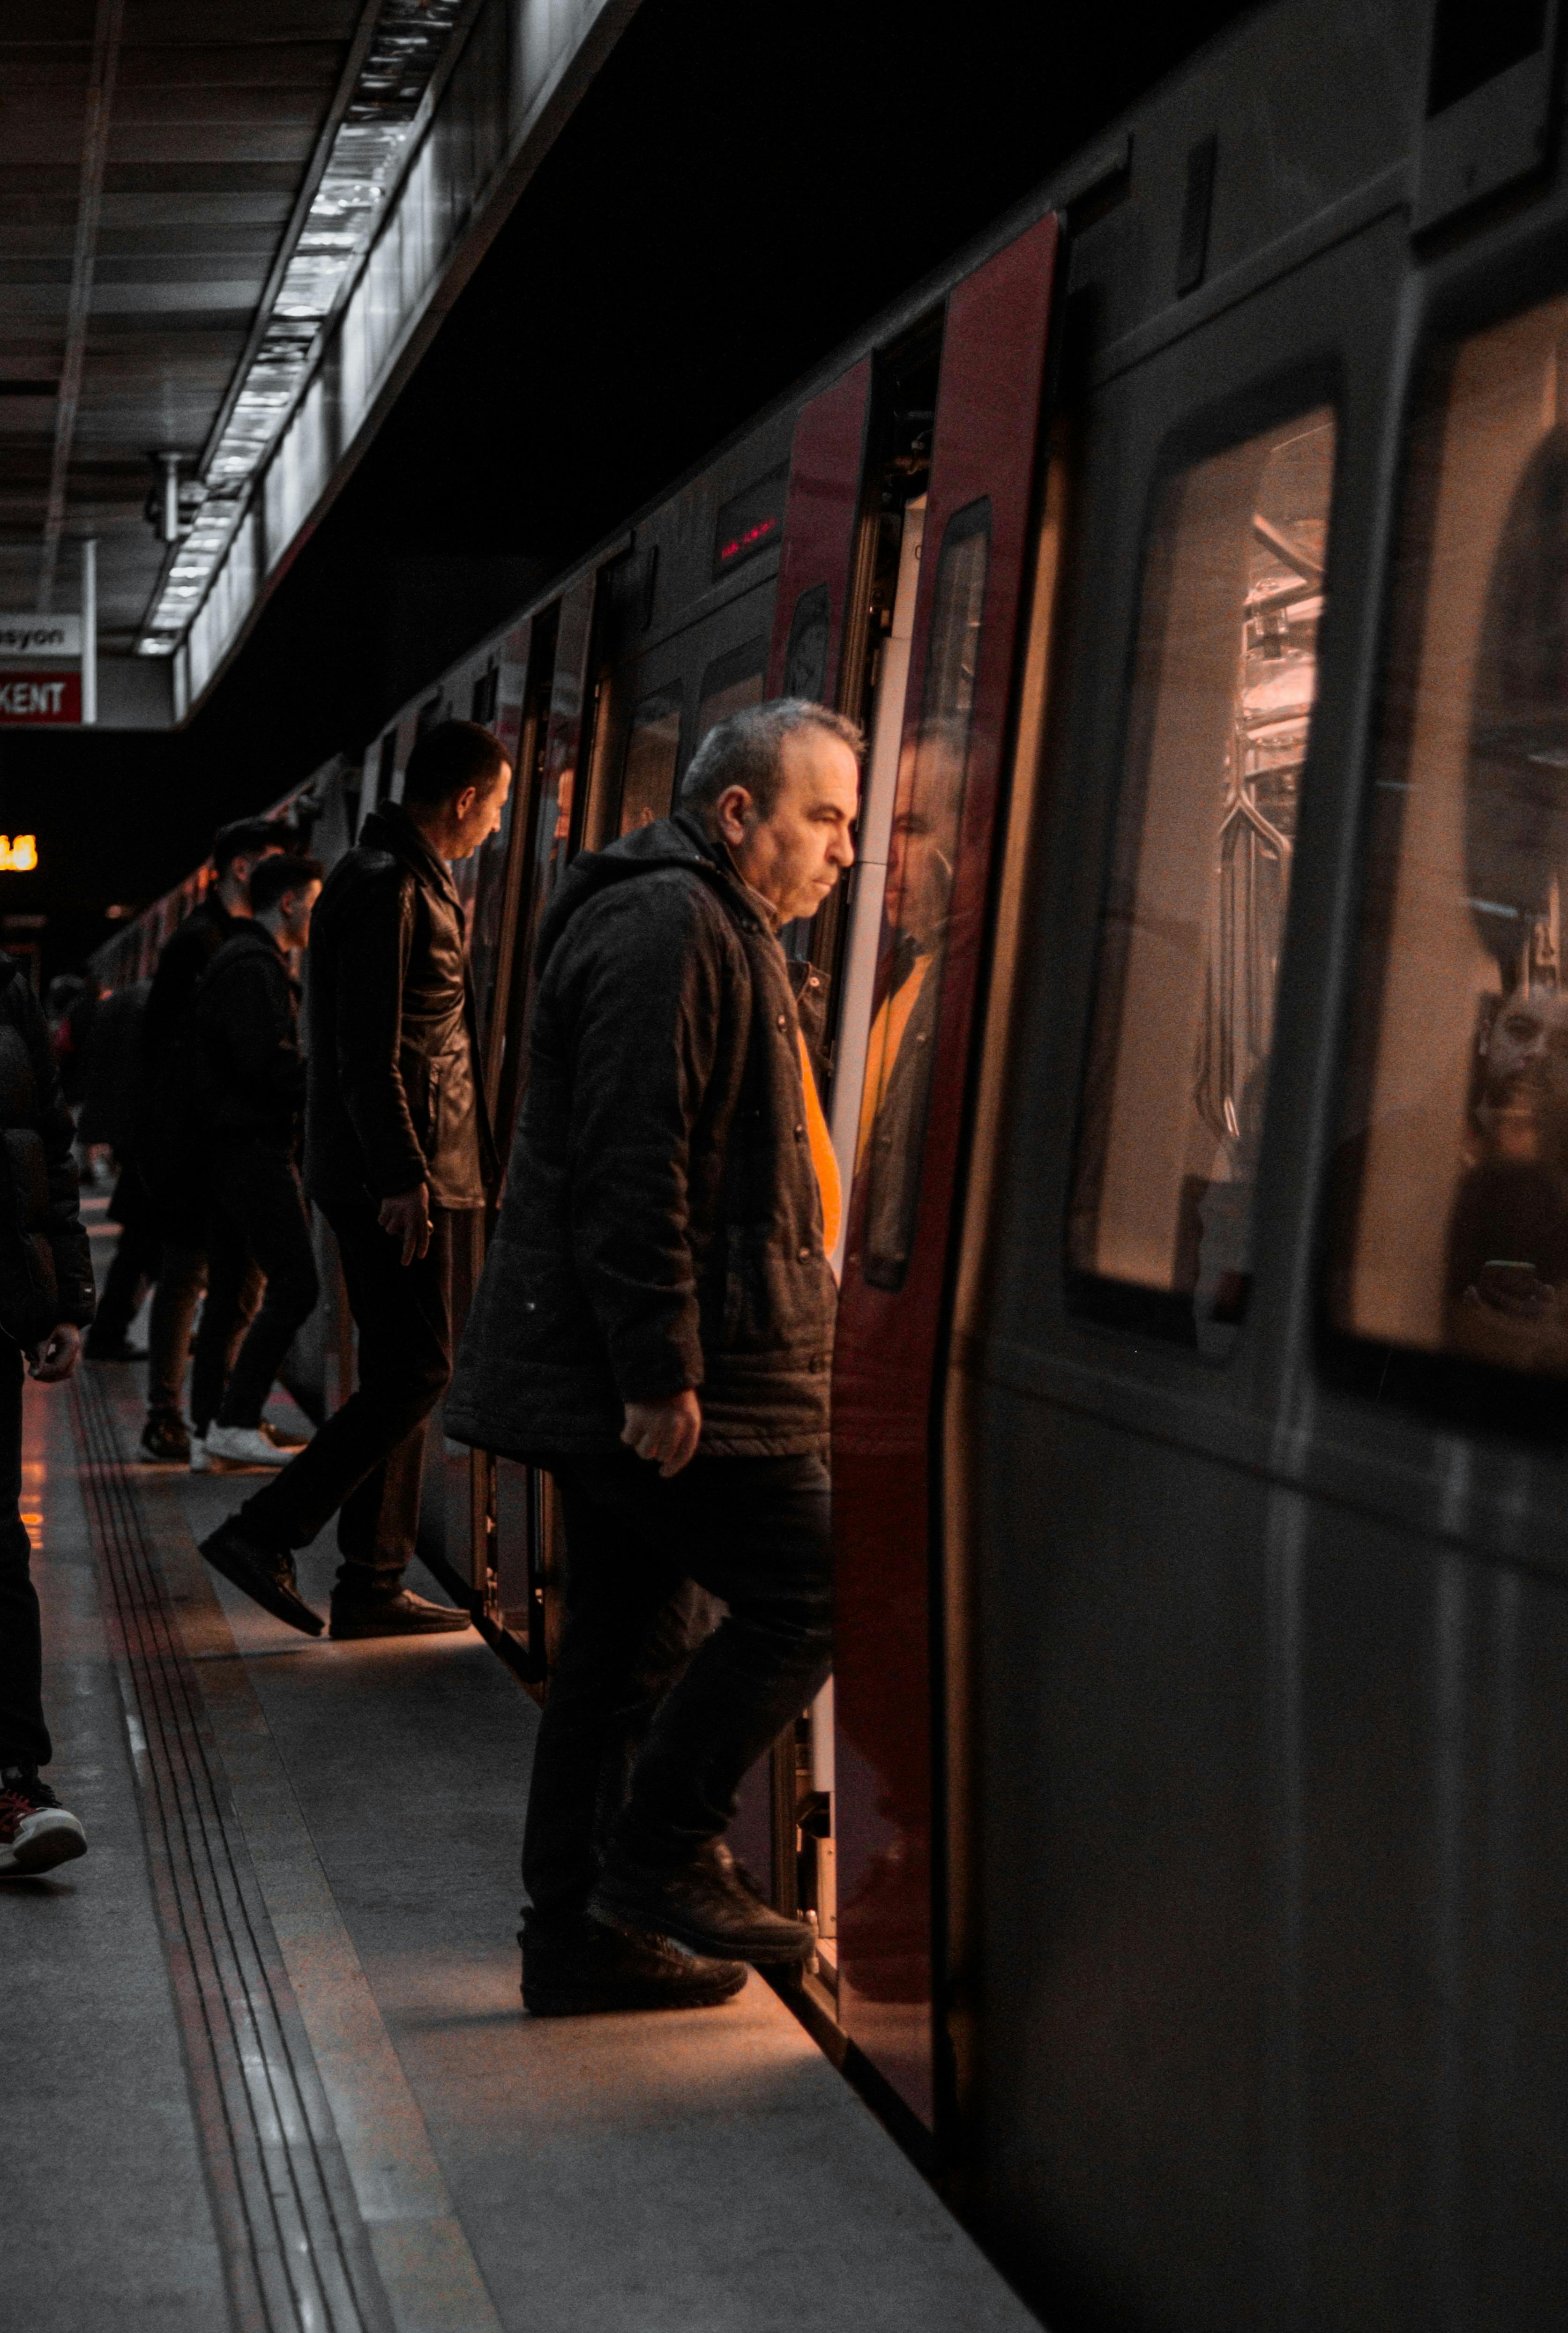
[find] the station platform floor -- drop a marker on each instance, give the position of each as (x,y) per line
(264,2063)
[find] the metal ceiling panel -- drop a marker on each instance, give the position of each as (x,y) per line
(232,269)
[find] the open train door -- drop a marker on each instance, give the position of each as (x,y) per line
(985,450)
(812,614)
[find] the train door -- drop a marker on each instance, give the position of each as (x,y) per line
(516,1534)
(843,624)
(455,1505)
(913,968)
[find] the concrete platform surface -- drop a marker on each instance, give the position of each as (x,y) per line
(708,2173)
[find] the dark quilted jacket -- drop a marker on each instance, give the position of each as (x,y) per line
(45,1270)
(662,1226)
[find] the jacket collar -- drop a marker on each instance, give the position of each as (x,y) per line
(716,859)
(389,828)
(247,928)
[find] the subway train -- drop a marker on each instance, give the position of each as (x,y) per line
(1185,1828)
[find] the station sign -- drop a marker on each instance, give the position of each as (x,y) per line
(40,635)
(39,696)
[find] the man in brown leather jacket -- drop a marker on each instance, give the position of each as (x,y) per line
(397,1143)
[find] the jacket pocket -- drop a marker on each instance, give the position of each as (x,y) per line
(763,1292)
(419,1076)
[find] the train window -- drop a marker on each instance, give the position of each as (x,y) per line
(1450,1230)
(482,701)
(652,751)
(806,656)
(922,853)
(730,684)
(1223,681)
(386,767)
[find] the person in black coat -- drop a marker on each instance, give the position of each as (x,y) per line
(167,1134)
(46,1301)
(250,1081)
(107,1120)
(396,1143)
(654,1324)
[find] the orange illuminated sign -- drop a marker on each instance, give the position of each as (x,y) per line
(18,854)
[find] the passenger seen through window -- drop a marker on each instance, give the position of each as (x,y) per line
(1223,685)
(1452,1233)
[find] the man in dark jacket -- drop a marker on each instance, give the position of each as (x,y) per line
(45,1301)
(397,1143)
(252,1078)
(655,1325)
(167,1136)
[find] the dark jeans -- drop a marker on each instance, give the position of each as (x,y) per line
(135,1263)
(125,1283)
(181,1277)
(256,1224)
(24,1736)
(365,1464)
(753,1532)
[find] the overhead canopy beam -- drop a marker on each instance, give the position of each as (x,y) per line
(89,202)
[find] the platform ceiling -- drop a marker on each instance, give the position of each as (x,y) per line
(217,110)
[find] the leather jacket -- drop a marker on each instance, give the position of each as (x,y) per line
(393,1094)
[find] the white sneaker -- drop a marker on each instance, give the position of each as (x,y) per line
(241,1445)
(35,1830)
(200,1464)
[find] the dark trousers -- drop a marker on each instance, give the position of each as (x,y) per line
(257,1228)
(135,1263)
(753,1532)
(24,1736)
(181,1277)
(365,1464)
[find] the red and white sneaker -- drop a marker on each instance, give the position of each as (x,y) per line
(35,1830)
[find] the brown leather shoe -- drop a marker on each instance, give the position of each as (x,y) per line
(582,1968)
(264,1574)
(704,1905)
(402,1614)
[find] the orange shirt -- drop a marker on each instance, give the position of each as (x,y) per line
(823,1161)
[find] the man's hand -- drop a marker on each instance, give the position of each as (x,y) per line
(55,1357)
(665,1431)
(407,1218)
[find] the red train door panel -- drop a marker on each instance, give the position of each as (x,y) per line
(973,567)
(822,522)
(820,518)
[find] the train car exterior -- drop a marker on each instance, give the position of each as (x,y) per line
(1183,1828)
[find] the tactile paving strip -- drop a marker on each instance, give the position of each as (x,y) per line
(296,2249)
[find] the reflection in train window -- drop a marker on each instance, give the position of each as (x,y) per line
(1451,1234)
(730,684)
(806,656)
(652,751)
(1223,683)
(922,854)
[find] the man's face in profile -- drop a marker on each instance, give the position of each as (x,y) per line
(1527,1075)
(919,880)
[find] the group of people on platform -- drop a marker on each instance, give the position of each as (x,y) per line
(653,1325)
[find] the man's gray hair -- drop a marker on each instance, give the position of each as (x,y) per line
(747,750)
